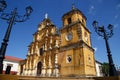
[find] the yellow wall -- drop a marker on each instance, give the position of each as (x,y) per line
(89,61)
(83,62)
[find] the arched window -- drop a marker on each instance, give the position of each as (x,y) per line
(41,51)
(69,20)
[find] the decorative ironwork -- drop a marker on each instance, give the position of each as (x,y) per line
(3,5)
(106,34)
(18,18)
(11,19)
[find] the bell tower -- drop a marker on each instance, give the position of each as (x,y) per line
(76,50)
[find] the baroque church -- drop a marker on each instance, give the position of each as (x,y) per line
(64,52)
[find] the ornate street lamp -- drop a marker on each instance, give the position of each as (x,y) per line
(106,34)
(3,5)
(11,19)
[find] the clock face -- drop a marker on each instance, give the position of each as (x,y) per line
(69,36)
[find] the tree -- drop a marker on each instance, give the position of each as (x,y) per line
(105,69)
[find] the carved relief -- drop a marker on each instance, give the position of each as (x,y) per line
(79,32)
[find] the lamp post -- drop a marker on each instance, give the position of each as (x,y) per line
(106,34)
(3,5)
(11,18)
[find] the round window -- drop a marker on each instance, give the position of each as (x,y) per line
(69,36)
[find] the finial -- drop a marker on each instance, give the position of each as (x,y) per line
(73,6)
(46,16)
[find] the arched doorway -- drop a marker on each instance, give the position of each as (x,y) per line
(39,68)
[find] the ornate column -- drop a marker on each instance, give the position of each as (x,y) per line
(30,64)
(56,66)
(47,33)
(35,71)
(32,49)
(49,68)
(24,70)
(36,48)
(34,67)
(27,67)
(43,72)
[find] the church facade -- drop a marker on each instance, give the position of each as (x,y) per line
(64,52)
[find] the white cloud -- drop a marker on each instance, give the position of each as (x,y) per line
(118,6)
(100,1)
(116,16)
(116,25)
(95,49)
(91,9)
(99,37)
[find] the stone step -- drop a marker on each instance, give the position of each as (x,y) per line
(16,77)
(54,78)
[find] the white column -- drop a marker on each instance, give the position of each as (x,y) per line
(34,68)
(25,73)
(36,48)
(56,69)
(56,66)
(43,72)
(23,70)
(35,71)
(49,70)
(28,72)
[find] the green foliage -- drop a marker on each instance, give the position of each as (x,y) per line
(105,69)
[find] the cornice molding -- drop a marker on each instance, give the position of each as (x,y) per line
(79,44)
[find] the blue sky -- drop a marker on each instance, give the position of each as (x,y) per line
(104,11)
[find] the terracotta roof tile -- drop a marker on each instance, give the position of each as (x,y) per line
(13,58)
